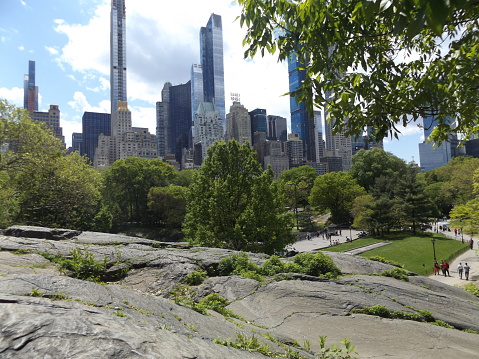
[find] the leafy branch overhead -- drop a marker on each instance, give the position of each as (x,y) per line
(379,63)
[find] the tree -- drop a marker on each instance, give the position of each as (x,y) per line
(127,183)
(377,215)
(61,192)
(296,184)
(168,205)
(415,206)
(232,203)
(369,165)
(336,192)
(376,63)
(39,184)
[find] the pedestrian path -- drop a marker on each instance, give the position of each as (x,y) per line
(471,257)
(366,248)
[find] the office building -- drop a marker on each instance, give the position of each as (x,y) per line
(51,119)
(208,129)
(238,124)
(432,156)
(162,115)
(211,53)
(302,122)
(30,91)
(197,92)
(258,122)
(294,149)
(179,119)
(94,124)
(77,140)
(338,145)
(117,53)
(275,157)
(277,128)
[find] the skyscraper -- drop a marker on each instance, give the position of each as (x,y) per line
(238,124)
(301,122)
(211,52)
(277,128)
(208,128)
(94,124)
(30,91)
(117,53)
(179,119)
(258,122)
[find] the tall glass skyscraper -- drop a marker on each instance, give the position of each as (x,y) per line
(30,91)
(94,124)
(117,53)
(211,52)
(301,122)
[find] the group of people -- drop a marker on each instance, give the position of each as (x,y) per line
(443,266)
(463,268)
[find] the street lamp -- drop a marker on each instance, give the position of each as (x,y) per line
(433,240)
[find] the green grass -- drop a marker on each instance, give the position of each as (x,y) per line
(352,245)
(412,251)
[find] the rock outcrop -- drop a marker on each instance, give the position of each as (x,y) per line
(45,313)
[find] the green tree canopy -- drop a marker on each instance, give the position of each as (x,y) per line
(296,184)
(369,165)
(376,63)
(233,203)
(167,205)
(61,192)
(127,183)
(336,192)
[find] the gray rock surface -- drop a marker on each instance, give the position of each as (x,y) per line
(44,313)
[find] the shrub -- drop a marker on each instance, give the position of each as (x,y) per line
(235,264)
(316,264)
(83,265)
(196,277)
(471,288)
(386,261)
(397,273)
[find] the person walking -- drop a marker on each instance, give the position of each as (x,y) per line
(446,269)
(459,270)
(436,268)
(466,271)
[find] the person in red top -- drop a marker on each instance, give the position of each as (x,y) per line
(446,269)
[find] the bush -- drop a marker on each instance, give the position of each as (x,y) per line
(83,265)
(316,264)
(386,261)
(397,273)
(235,264)
(196,277)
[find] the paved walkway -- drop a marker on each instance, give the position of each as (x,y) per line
(317,243)
(471,257)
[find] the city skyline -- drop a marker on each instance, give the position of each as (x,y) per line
(71,48)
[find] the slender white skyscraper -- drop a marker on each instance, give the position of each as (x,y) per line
(117,53)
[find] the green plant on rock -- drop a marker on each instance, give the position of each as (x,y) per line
(397,273)
(386,261)
(336,352)
(36,293)
(244,342)
(196,277)
(82,265)
(471,288)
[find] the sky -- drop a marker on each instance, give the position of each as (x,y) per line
(69,40)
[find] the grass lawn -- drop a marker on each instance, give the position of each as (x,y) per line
(412,251)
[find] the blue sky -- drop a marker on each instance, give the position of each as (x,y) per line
(69,41)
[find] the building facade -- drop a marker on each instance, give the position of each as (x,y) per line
(30,91)
(117,53)
(302,122)
(208,128)
(258,122)
(51,119)
(277,128)
(94,124)
(162,116)
(211,53)
(179,119)
(238,124)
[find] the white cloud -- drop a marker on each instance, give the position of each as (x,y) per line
(14,96)
(21,48)
(80,104)
(51,50)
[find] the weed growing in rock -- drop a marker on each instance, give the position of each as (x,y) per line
(242,341)
(196,277)
(82,265)
(59,296)
(335,351)
(36,293)
(471,288)
(397,273)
